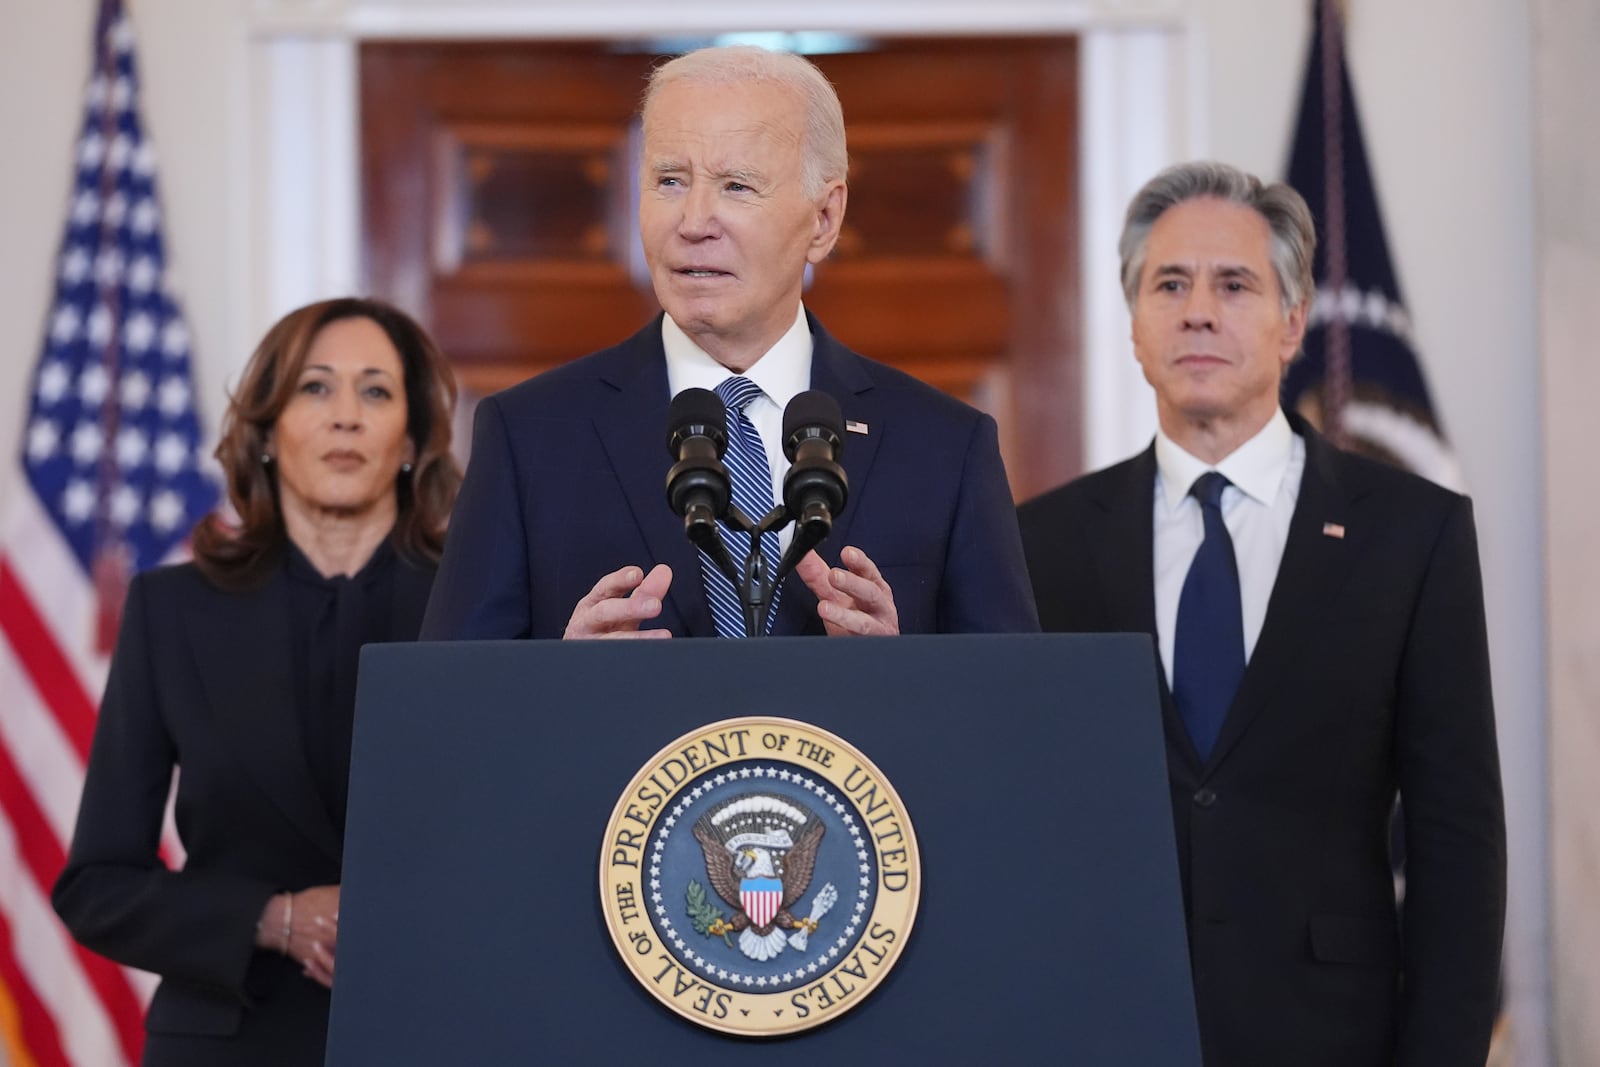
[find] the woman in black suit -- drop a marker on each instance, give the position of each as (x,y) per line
(238,669)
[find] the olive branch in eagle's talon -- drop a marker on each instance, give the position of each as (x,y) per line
(705,918)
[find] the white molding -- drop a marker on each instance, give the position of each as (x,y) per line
(640,18)
(1128,82)
(305,216)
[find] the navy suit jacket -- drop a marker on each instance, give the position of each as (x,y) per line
(567,483)
(1370,677)
(204,678)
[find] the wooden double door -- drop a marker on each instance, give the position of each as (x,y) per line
(500,204)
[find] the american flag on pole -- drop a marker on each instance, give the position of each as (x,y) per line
(113,482)
(1360,379)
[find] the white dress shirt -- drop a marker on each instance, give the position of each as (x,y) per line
(783,371)
(1256,508)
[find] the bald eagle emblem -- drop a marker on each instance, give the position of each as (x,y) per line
(760,851)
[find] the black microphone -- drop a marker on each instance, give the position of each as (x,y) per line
(698,486)
(815,488)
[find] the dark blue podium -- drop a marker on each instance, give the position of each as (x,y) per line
(1050,927)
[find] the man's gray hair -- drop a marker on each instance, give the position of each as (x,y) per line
(1294,236)
(824,157)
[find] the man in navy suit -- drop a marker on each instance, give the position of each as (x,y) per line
(563,528)
(1320,624)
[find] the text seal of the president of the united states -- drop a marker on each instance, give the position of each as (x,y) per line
(760,876)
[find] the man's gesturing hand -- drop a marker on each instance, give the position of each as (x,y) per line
(620,602)
(850,601)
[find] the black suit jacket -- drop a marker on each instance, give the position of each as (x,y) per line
(1371,676)
(568,482)
(203,679)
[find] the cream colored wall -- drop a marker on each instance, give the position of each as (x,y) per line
(1445,89)
(1568,226)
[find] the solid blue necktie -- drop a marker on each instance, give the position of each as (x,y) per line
(746,460)
(1208,645)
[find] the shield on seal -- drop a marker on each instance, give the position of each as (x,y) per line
(761,898)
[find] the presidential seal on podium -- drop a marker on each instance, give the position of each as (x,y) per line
(760,876)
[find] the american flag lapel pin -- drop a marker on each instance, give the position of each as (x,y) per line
(852,426)
(1334,530)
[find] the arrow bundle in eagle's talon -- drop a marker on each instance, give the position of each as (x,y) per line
(820,905)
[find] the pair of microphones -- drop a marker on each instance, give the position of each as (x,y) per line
(700,489)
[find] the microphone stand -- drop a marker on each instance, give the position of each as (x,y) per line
(757,581)
(696,488)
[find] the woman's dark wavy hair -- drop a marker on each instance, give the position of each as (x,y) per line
(241,556)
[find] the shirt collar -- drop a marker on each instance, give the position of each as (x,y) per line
(1256,467)
(301,569)
(782,371)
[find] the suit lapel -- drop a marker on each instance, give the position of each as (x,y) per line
(843,375)
(1122,547)
(1314,568)
(632,428)
(250,690)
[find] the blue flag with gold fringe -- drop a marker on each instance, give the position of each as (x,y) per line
(1359,380)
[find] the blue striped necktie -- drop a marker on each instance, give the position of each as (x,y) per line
(746,460)
(1208,643)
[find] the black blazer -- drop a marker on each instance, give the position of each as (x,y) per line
(203,679)
(568,483)
(1371,676)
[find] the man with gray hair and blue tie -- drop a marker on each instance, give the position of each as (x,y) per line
(1320,627)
